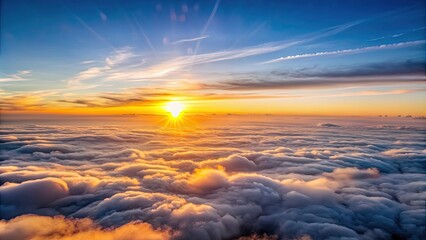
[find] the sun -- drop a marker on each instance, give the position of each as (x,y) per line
(174,108)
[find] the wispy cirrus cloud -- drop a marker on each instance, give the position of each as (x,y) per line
(26,100)
(380,38)
(371,93)
(164,68)
(145,36)
(119,56)
(116,59)
(15,77)
(349,51)
(189,40)
(110,70)
(90,29)
(124,65)
(87,62)
(206,26)
(396,35)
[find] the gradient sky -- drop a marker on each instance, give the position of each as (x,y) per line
(287,57)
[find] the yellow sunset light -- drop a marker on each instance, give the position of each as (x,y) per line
(174,108)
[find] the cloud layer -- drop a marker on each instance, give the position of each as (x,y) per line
(349,51)
(379,74)
(268,178)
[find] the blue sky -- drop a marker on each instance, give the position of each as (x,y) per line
(83,49)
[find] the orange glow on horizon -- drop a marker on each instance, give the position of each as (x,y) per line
(360,106)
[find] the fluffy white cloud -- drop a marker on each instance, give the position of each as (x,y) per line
(239,181)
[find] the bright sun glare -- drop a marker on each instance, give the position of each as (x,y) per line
(174,108)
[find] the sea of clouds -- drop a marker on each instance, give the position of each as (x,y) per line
(266,178)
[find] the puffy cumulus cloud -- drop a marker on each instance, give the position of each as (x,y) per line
(205,180)
(404,153)
(353,173)
(30,195)
(236,179)
(231,163)
(44,148)
(32,227)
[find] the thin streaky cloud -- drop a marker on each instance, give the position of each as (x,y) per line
(384,37)
(375,39)
(90,29)
(374,93)
(9,79)
(360,93)
(88,62)
(147,40)
(418,29)
(203,32)
(175,64)
(164,68)
(190,40)
(349,51)
(15,77)
(256,28)
(22,100)
(123,73)
(118,57)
